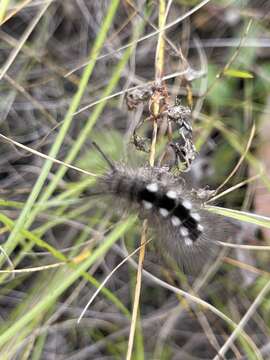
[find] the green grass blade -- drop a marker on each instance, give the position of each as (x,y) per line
(59,256)
(3,9)
(70,278)
(241,216)
(82,137)
(22,221)
(238,74)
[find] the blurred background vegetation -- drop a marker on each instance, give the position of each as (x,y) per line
(65,69)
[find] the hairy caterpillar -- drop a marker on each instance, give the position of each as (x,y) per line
(183,228)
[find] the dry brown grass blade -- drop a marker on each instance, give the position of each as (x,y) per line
(231,60)
(137,292)
(107,278)
(244,321)
(237,186)
(245,266)
(204,304)
(44,156)
(33,269)
(125,91)
(15,11)
(23,39)
(242,158)
(31,99)
(145,37)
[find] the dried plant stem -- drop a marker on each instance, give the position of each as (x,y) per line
(107,278)
(156,109)
(233,188)
(5,17)
(122,92)
(24,38)
(251,136)
(231,60)
(153,144)
(161,42)
(247,267)
(137,292)
(44,156)
(253,308)
(147,36)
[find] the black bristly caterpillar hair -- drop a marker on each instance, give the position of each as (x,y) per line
(183,227)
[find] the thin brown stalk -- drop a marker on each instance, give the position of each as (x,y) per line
(15,10)
(137,292)
(44,156)
(251,136)
(231,60)
(237,186)
(23,39)
(159,66)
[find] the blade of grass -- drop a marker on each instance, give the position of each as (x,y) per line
(236,143)
(145,37)
(25,219)
(241,216)
(69,279)
(44,156)
(240,161)
(84,134)
(238,74)
(242,335)
(35,240)
(82,137)
(3,8)
(243,321)
(14,10)
(23,39)
(107,278)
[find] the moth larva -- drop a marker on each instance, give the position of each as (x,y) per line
(183,227)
